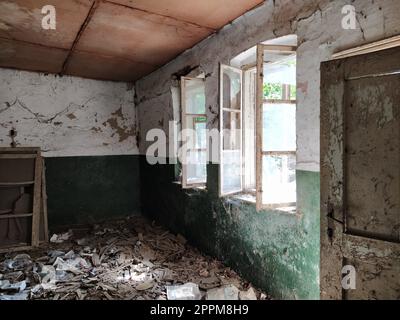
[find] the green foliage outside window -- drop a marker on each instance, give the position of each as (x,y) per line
(293,93)
(273,91)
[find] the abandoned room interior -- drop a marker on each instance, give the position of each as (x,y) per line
(199,150)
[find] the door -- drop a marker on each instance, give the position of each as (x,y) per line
(360,176)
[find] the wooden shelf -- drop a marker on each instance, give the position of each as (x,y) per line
(18,215)
(16,184)
(17,156)
(16,247)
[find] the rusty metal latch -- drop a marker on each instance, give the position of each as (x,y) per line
(332,221)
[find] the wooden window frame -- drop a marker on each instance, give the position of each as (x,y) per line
(247,99)
(184,115)
(260,100)
(221,125)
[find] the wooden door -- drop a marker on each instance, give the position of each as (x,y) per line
(360,175)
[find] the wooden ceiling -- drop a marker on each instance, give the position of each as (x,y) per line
(121,40)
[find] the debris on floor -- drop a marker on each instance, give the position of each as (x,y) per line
(224,293)
(188,291)
(128,259)
(60,238)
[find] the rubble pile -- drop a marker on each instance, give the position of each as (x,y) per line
(128,259)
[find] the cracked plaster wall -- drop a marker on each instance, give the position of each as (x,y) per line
(67,116)
(317,24)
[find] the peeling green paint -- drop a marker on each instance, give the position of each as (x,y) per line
(278,252)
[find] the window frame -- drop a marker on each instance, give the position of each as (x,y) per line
(249,97)
(184,115)
(261,48)
(222,109)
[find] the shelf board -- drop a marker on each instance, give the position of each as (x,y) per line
(18,156)
(17,215)
(16,184)
(15,247)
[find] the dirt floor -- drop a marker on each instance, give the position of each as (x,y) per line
(127,259)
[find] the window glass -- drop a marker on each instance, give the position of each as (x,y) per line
(194,122)
(195,99)
(231,169)
(279,127)
(232,89)
(279,179)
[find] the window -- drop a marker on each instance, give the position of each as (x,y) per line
(194,135)
(276,126)
(230,130)
(267,132)
(249,130)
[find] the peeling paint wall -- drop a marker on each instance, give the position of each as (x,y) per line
(318,25)
(88,134)
(67,116)
(283,256)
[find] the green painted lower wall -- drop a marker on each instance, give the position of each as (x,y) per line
(85,190)
(276,251)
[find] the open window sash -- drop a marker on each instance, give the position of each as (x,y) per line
(194,136)
(274,182)
(231,164)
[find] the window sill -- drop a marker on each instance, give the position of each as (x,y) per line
(194,188)
(251,199)
(245,197)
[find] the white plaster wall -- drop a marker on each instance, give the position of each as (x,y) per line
(67,116)
(317,24)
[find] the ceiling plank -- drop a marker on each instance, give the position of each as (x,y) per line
(79,34)
(86,64)
(28,56)
(207,13)
(122,3)
(22,20)
(136,35)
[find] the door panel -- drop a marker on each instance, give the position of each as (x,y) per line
(360,175)
(377,266)
(375,281)
(372,157)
